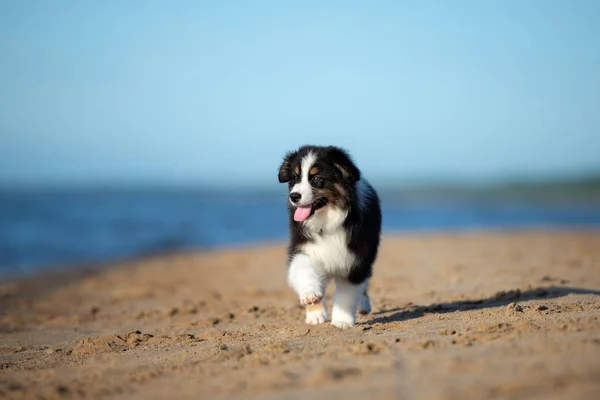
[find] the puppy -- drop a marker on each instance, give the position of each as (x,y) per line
(334,226)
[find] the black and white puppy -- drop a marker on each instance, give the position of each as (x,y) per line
(335,226)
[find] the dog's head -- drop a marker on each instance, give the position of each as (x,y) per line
(317,177)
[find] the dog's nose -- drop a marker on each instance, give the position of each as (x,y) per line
(295,197)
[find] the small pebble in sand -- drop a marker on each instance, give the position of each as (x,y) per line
(191,310)
(513,307)
(172,311)
(62,389)
(542,308)
(426,344)
(223,347)
(447,332)
(49,351)
(246,349)
(141,315)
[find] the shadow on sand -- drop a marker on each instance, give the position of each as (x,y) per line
(498,300)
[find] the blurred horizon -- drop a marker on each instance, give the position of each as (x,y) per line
(531,183)
(570,185)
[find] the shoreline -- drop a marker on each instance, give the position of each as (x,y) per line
(54,269)
(456,315)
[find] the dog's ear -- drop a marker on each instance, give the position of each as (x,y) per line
(343,162)
(285,170)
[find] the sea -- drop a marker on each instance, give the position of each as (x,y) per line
(45,229)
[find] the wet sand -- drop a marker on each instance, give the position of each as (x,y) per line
(455,316)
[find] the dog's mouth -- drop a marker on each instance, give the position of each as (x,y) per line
(303,213)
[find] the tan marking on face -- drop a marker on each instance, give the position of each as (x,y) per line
(314,307)
(343,170)
(297,170)
(340,189)
(313,171)
(335,196)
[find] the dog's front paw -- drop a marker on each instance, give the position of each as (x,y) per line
(310,296)
(316,314)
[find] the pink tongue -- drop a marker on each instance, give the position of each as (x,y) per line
(302,213)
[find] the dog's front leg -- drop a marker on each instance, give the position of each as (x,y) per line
(309,283)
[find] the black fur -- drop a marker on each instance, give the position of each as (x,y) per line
(336,183)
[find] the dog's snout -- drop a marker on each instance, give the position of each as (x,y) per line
(295,197)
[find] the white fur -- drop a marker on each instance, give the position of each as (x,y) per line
(306,280)
(345,303)
(329,251)
(304,187)
(325,220)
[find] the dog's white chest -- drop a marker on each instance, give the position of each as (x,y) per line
(330,252)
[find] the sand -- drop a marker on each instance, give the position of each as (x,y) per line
(455,316)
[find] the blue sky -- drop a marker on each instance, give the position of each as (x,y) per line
(215,92)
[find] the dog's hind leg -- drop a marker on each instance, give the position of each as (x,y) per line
(364,305)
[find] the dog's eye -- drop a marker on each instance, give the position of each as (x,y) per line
(317,181)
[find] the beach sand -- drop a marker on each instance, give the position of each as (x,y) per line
(455,316)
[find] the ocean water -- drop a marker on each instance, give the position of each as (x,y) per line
(41,230)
